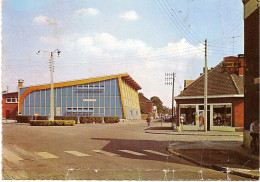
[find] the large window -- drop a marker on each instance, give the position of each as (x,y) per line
(12,100)
(222,115)
(189,113)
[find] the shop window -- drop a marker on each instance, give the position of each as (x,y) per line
(189,113)
(11,100)
(222,115)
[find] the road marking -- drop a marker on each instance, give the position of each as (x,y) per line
(132,152)
(76,153)
(155,152)
(105,152)
(46,155)
(12,157)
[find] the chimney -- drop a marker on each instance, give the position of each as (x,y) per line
(241,60)
(187,83)
(20,82)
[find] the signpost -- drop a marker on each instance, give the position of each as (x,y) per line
(231,64)
(35,115)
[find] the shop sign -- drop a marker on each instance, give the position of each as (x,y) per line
(231,64)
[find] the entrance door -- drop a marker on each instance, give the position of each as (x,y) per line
(7,113)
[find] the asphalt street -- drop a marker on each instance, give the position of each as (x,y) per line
(122,151)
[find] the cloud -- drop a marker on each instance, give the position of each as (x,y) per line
(88,11)
(44,20)
(100,53)
(129,16)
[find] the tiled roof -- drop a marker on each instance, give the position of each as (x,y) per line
(220,82)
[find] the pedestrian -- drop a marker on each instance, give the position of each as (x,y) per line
(254,132)
(148,119)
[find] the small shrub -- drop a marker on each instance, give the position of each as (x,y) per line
(75,118)
(111,119)
(23,118)
(52,123)
(89,119)
(40,118)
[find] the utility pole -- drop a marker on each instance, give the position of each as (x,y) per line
(205,89)
(52,87)
(169,80)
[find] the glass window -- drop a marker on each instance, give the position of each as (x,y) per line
(42,112)
(37,98)
(96,103)
(107,91)
(96,111)
(113,90)
(64,91)
(201,107)
(118,102)
(107,101)
(74,101)
(113,82)
(63,101)
(9,100)
(31,99)
(90,104)
(69,101)
(69,91)
(113,112)
(189,113)
(107,112)
(222,115)
(107,82)
(102,103)
(42,100)
(119,112)
(26,101)
(117,91)
(113,102)
(58,101)
(101,110)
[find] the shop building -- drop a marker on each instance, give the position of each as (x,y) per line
(114,95)
(225,109)
(9,105)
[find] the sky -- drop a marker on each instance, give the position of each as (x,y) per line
(143,38)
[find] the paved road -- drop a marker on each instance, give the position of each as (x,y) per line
(120,151)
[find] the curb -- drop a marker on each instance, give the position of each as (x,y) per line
(179,133)
(213,166)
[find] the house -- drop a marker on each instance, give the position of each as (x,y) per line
(9,105)
(225,109)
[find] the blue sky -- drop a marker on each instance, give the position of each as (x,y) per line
(144,38)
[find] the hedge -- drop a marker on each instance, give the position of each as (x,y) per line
(41,118)
(23,118)
(75,118)
(90,119)
(52,123)
(111,119)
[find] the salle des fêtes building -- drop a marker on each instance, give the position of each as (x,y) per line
(114,95)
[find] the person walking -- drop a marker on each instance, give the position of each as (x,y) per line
(148,119)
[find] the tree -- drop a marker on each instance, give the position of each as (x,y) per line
(158,103)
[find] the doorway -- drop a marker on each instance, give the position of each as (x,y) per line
(7,113)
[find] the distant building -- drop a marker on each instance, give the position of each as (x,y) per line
(145,104)
(251,51)
(225,101)
(114,95)
(9,105)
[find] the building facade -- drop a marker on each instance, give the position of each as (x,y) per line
(114,95)
(251,51)
(9,105)
(225,109)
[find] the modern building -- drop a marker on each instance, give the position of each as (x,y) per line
(225,109)
(251,51)
(9,105)
(114,95)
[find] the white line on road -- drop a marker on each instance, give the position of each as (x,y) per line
(12,157)
(76,153)
(132,152)
(155,152)
(105,152)
(46,155)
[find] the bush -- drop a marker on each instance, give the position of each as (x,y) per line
(41,118)
(111,119)
(75,118)
(89,119)
(23,118)
(52,123)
